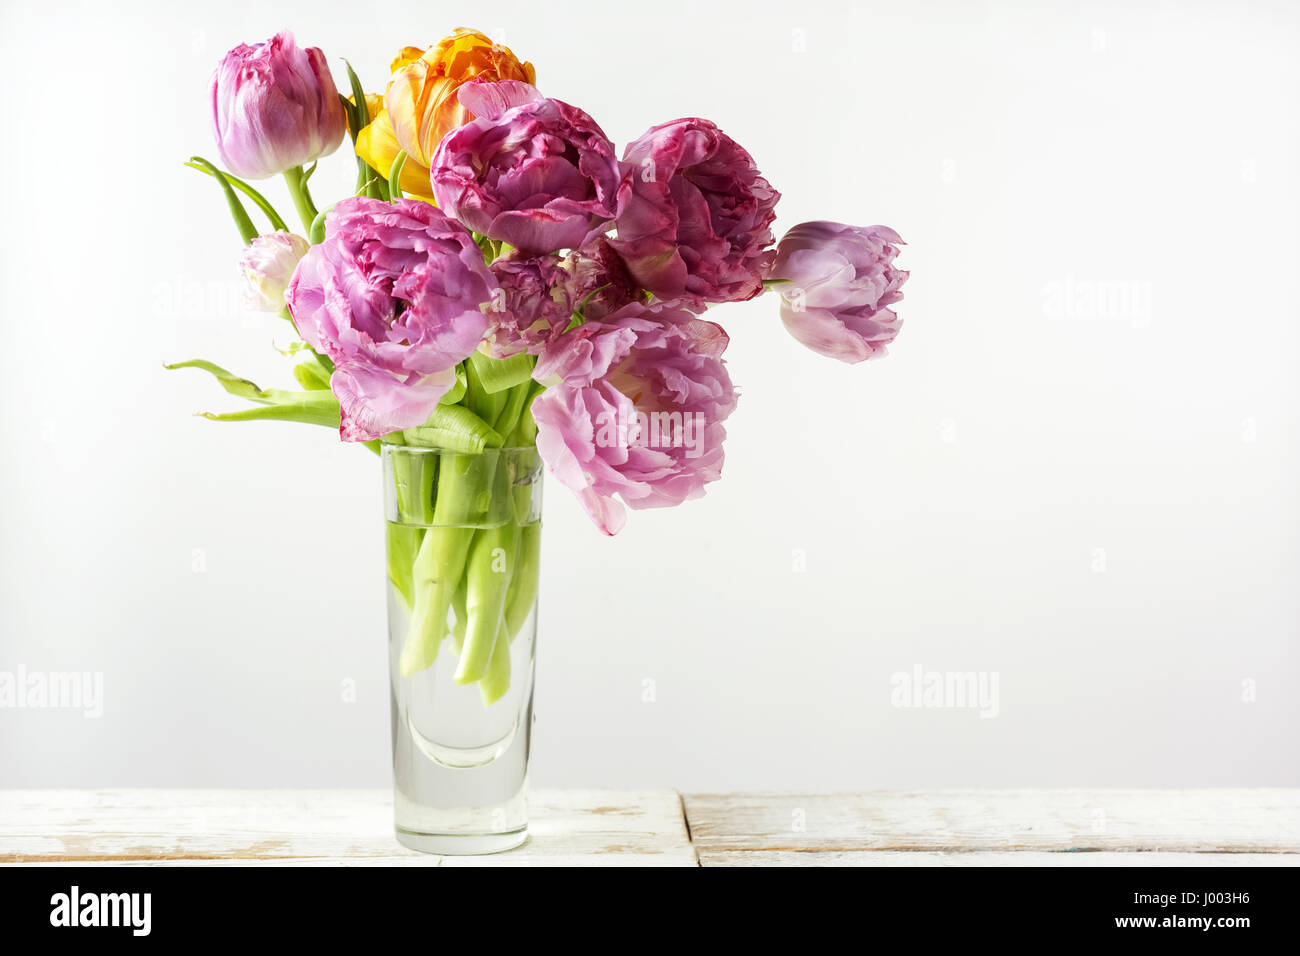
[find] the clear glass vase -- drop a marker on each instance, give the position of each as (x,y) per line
(463,546)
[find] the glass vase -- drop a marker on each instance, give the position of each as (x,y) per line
(463,545)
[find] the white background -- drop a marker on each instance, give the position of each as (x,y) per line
(1077,469)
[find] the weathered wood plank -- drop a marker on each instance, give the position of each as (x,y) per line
(1176,821)
(349,827)
(989,858)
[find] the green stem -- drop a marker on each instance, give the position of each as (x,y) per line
(462,616)
(276,221)
(483,403)
(495,683)
(486,582)
(525,432)
(434,577)
(395,176)
(508,421)
(403,547)
(297,184)
(247,231)
(523,584)
(463,500)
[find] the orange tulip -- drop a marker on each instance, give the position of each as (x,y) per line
(421,101)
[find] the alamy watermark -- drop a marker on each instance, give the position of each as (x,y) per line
(956,690)
(130,910)
(1080,298)
(652,430)
(53,690)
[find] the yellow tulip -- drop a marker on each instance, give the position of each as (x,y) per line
(377,145)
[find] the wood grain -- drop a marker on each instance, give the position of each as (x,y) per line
(798,826)
(1021,858)
(650,828)
(348,827)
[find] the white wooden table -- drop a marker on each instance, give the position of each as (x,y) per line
(664,828)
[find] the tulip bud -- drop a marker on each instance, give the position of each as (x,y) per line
(274,107)
(267,263)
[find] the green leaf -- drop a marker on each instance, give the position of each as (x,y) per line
(276,221)
(359,98)
(319,408)
(350,112)
(311,373)
(232,383)
(497,375)
(453,428)
(245,225)
(314,407)
(457,391)
(368,179)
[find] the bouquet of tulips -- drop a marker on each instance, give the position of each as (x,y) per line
(502,279)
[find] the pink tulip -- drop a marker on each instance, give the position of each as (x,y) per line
(274,107)
(841,282)
(395,297)
(636,409)
(534,172)
(694,214)
(531,306)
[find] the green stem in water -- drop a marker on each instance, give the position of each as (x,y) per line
(403,547)
(496,682)
(434,574)
(464,497)
(523,583)
(462,617)
(487,578)
(297,183)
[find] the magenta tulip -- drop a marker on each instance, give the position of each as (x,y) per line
(694,214)
(534,172)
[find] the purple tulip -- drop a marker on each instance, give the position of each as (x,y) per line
(599,282)
(636,410)
(842,281)
(274,107)
(694,214)
(394,297)
(532,305)
(533,172)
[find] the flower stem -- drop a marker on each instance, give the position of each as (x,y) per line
(495,684)
(522,593)
(297,184)
(435,575)
(486,582)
